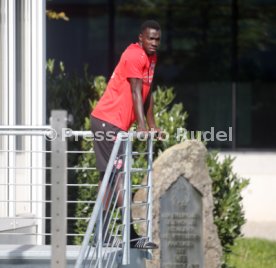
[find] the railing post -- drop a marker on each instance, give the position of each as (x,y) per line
(149,214)
(100,236)
(58,190)
(127,200)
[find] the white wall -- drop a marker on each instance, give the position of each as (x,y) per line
(260,196)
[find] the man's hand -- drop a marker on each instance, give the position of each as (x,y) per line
(141,129)
(158,133)
(142,132)
(155,131)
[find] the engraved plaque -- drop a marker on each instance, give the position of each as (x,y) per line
(181,226)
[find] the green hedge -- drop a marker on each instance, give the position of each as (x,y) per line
(228,213)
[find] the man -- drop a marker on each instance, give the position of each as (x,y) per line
(128,98)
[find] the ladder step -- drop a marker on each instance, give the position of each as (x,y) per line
(140,203)
(140,153)
(139,170)
(139,219)
(139,186)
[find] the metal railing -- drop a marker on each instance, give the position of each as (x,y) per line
(22,184)
(91,253)
(35,181)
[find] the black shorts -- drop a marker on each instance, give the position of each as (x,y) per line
(104,136)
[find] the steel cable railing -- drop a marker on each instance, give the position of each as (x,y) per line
(24,181)
(95,252)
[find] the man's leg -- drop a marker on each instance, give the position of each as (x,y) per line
(103,149)
(107,193)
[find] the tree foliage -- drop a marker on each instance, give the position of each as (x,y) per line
(70,92)
(198,37)
(51,14)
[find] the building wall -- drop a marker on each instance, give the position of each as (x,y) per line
(259,197)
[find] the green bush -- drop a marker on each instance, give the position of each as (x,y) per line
(228,213)
(70,92)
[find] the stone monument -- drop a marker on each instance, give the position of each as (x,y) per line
(181,226)
(182,210)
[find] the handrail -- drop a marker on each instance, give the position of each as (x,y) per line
(24,127)
(26,130)
(99,200)
(86,254)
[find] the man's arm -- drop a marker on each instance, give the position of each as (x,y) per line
(136,90)
(149,104)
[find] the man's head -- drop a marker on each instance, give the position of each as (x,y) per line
(150,35)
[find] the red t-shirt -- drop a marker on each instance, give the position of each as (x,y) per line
(116,105)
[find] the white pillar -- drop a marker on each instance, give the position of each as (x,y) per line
(26,63)
(8,107)
(38,104)
(11,100)
(4,107)
(31,57)
(30,65)
(24,112)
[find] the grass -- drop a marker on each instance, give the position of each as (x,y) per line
(253,253)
